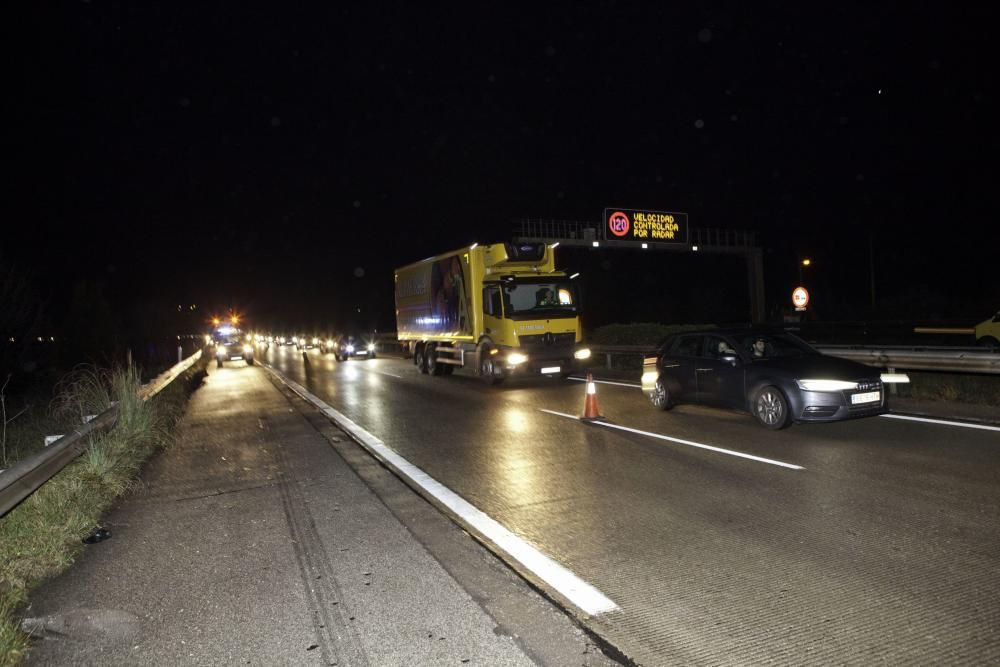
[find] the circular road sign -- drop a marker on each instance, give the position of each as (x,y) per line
(800,297)
(618,223)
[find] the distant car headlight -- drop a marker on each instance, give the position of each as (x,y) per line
(248,348)
(349,349)
(315,341)
(825,385)
(515,358)
(371,347)
(583,353)
(329,343)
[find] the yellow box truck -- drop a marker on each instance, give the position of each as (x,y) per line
(500,309)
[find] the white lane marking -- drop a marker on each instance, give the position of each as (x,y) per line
(387,373)
(568,584)
(620,384)
(690,443)
(983,427)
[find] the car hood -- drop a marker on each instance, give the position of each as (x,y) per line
(820,366)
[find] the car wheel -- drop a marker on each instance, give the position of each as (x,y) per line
(249,361)
(770,408)
(372,355)
(660,396)
(218,363)
(420,359)
(488,370)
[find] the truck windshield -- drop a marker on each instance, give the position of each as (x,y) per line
(539,299)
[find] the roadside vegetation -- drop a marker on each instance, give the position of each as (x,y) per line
(43,535)
(969,388)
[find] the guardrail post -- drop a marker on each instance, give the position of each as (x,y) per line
(609,360)
(180,354)
(893,390)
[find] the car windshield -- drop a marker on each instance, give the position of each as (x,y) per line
(543,299)
(775,346)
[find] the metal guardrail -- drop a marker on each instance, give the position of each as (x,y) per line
(27,476)
(922,358)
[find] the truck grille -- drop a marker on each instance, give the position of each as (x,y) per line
(548,340)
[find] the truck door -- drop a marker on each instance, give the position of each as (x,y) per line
(492,310)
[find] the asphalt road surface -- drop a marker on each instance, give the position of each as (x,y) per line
(716,541)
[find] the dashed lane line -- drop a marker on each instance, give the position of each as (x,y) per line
(944,422)
(690,443)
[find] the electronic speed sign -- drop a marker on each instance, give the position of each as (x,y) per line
(800,298)
(626,224)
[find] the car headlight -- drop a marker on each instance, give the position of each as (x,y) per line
(371,347)
(649,377)
(349,348)
(315,341)
(825,385)
(248,348)
(515,358)
(583,353)
(220,350)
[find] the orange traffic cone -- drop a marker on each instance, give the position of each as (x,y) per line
(590,410)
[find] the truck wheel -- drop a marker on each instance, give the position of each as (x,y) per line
(433,367)
(488,370)
(419,359)
(988,342)
(447,369)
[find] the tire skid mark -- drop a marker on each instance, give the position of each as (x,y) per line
(317,576)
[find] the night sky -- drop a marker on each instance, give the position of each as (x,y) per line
(282,161)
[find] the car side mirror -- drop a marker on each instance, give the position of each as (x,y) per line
(731,359)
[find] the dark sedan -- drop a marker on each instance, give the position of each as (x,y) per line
(775,376)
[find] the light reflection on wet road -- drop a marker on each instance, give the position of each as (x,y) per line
(884,547)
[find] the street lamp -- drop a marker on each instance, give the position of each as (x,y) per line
(804,262)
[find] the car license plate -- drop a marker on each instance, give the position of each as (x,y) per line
(551,369)
(361,353)
(869,397)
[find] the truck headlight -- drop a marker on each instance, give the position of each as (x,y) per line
(350,349)
(248,349)
(582,353)
(515,358)
(315,341)
(371,347)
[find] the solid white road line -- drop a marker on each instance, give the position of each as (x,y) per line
(983,427)
(619,384)
(690,443)
(570,586)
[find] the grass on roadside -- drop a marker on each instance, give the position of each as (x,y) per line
(968,388)
(42,536)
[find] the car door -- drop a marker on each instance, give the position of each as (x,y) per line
(678,366)
(720,379)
